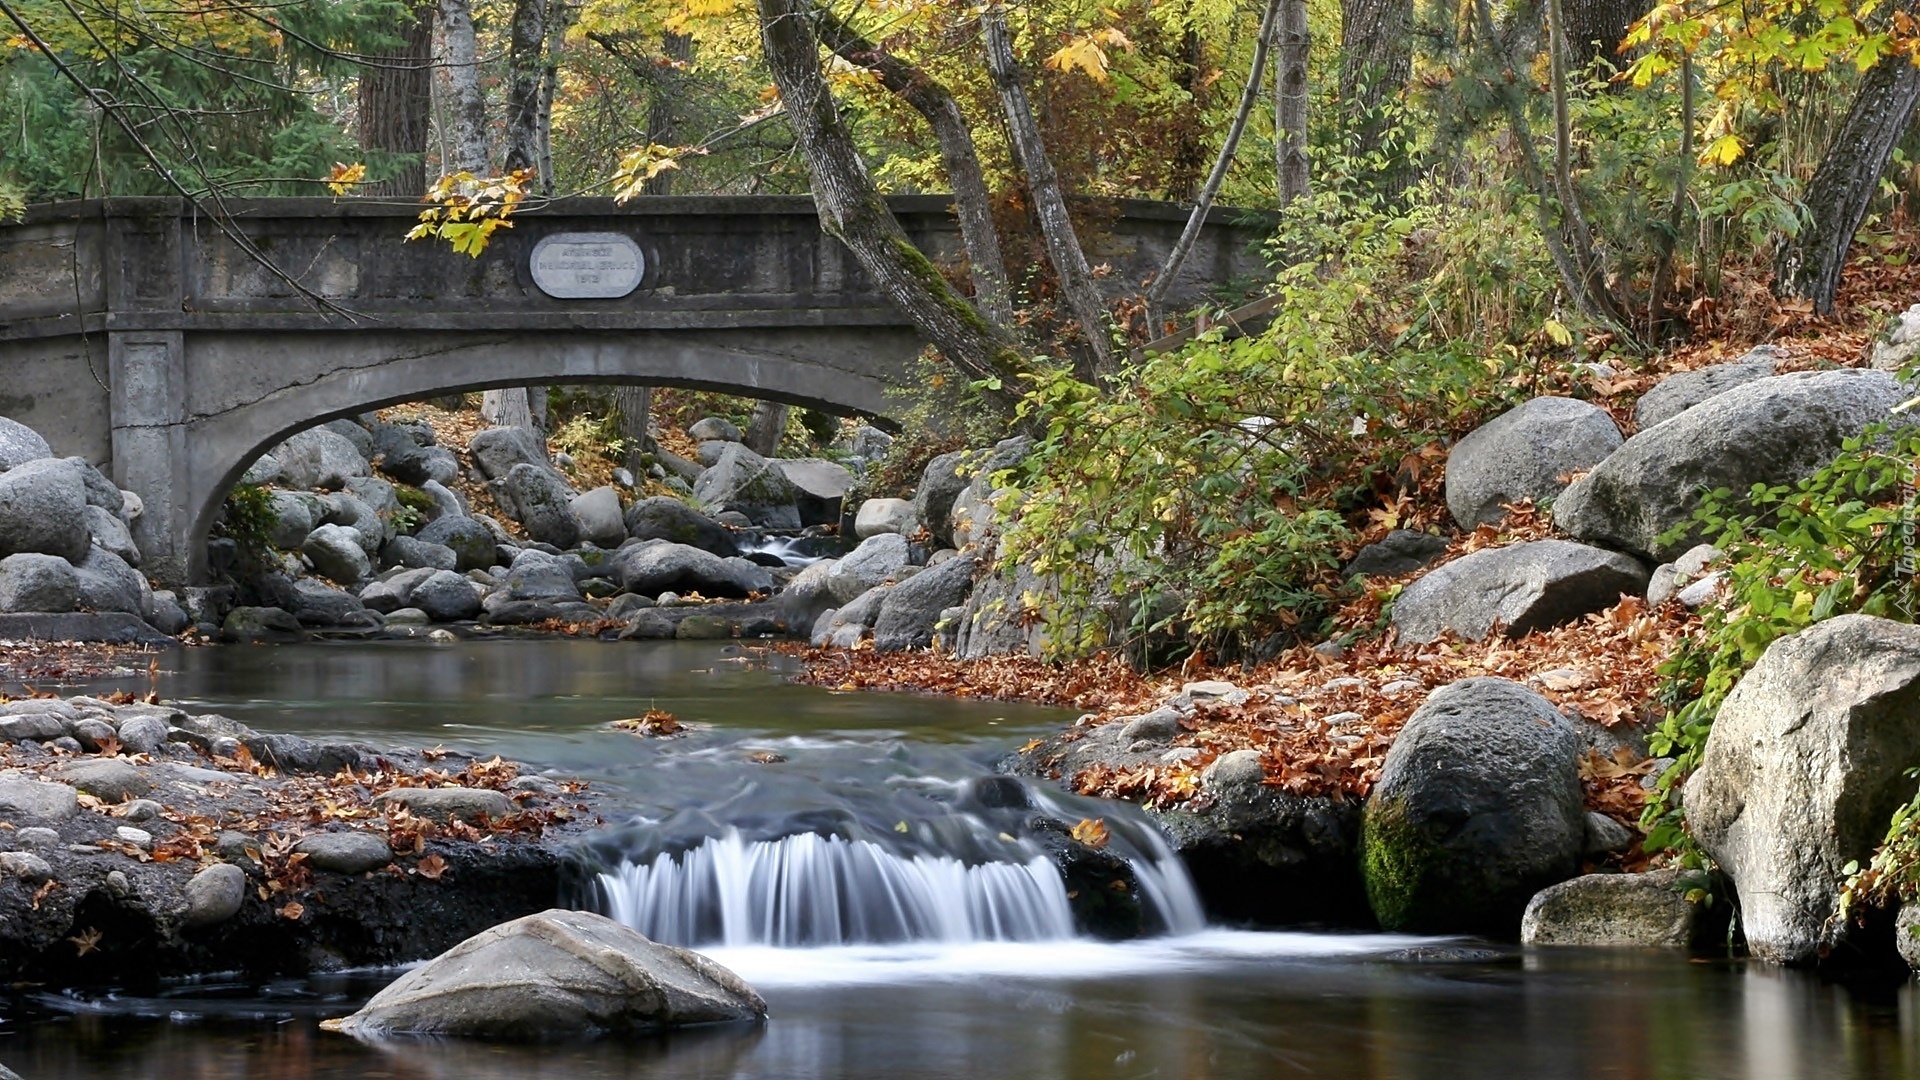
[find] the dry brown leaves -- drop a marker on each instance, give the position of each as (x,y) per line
(1101,681)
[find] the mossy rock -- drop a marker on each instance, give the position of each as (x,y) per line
(1404,865)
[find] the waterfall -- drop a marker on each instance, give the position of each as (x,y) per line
(811,890)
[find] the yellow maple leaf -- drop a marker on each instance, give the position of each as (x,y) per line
(343,177)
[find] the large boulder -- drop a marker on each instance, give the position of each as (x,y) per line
(819,487)
(497,450)
(1649,911)
(540,499)
(1770,431)
(744,482)
(338,552)
(1478,807)
(664,517)
(445,596)
(293,516)
(1525,453)
(715,429)
(1899,343)
(472,542)
(948,475)
(1520,587)
(20,444)
(316,603)
(43,509)
(1401,551)
(908,615)
(30,581)
(553,976)
(107,583)
(658,566)
(536,575)
(1804,767)
(878,516)
(1676,394)
(320,458)
(808,594)
(598,515)
(878,558)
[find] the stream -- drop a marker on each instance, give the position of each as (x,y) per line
(852,856)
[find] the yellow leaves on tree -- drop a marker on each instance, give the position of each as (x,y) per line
(344,177)
(636,168)
(1088,53)
(465,209)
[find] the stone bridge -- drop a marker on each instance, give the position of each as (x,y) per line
(142,336)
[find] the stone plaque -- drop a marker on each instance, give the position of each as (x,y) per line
(588,265)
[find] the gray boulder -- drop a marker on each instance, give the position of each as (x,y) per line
(23,796)
(295,513)
(1525,453)
(214,895)
(1899,342)
(746,483)
(819,488)
(536,575)
(336,551)
(714,428)
(446,501)
(445,596)
(1478,807)
(552,976)
(471,541)
(371,531)
(658,566)
(316,603)
(1676,394)
(345,852)
(1646,911)
(1804,767)
(20,444)
(168,616)
(264,471)
(43,509)
(1521,587)
(497,450)
(878,558)
(1770,431)
(949,474)
(540,499)
(598,515)
(111,779)
(664,517)
(909,613)
(1402,551)
(320,458)
(448,803)
(355,434)
(107,583)
(109,532)
(31,581)
(843,628)
(251,624)
(808,594)
(100,490)
(878,516)
(415,553)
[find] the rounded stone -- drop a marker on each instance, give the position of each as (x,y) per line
(345,852)
(215,895)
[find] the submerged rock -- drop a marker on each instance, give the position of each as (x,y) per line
(1648,910)
(552,976)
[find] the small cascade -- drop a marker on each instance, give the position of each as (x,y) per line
(812,890)
(787,549)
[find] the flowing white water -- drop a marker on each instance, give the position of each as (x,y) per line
(808,890)
(782,548)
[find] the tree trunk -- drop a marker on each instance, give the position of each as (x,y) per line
(507,408)
(526,47)
(1595,29)
(1810,263)
(663,100)
(396,107)
(1290,95)
(958,156)
(852,211)
(466,113)
(1376,60)
(764,431)
(1069,259)
(635,406)
(559,18)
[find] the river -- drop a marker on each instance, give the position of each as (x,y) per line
(967,970)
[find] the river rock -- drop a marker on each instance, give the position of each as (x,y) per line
(30,581)
(1478,807)
(552,976)
(819,486)
(143,734)
(948,475)
(540,499)
(908,615)
(808,594)
(345,852)
(714,429)
(1520,587)
(472,542)
(214,895)
(449,803)
(110,779)
(1402,551)
(598,514)
(744,482)
(845,627)
(1525,453)
(1897,345)
(1771,431)
(536,575)
(293,516)
(107,531)
(20,444)
(1646,911)
(107,583)
(43,509)
(355,433)
(1805,764)
(415,553)
(878,558)
(664,517)
(23,796)
(658,566)
(445,597)
(336,552)
(259,624)
(497,450)
(316,603)
(878,516)
(1676,394)
(320,458)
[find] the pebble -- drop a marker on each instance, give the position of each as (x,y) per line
(1341,719)
(1344,684)
(118,885)
(37,836)
(1402,686)
(141,810)
(25,865)
(139,838)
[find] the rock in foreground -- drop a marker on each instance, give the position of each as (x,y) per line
(555,975)
(1648,910)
